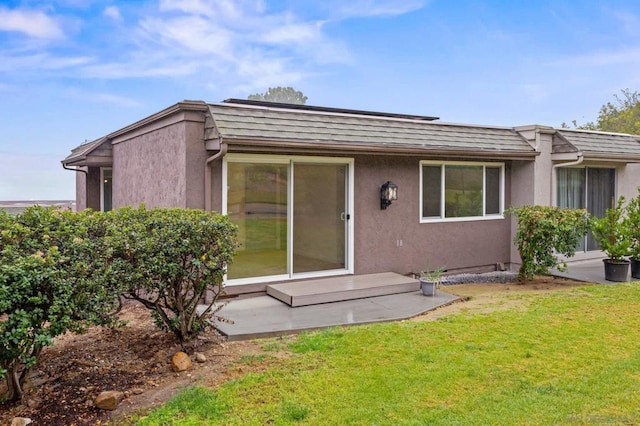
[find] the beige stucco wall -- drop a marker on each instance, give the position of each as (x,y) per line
(628,180)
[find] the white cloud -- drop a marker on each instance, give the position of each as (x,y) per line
(194,33)
(104,98)
(112,12)
(295,33)
(628,21)
(31,23)
(41,62)
(367,8)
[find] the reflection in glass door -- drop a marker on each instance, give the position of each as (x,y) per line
(292,217)
(319,217)
(588,188)
(257,205)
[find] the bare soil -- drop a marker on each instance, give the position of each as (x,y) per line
(135,359)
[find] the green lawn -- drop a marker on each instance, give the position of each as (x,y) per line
(569,357)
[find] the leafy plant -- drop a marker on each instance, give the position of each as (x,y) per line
(544,233)
(172,260)
(611,232)
(633,225)
(48,286)
(432,275)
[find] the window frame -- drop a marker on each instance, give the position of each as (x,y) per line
(102,191)
(443,165)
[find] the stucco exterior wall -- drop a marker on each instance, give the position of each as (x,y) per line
(195,160)
(81,190)
(628,180)
(395,240)
(151,169)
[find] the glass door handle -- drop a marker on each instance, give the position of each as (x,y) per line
(344,216)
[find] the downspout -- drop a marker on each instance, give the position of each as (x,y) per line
(74,170)
(554,178)
(207,173)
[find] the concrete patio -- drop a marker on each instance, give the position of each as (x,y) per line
(265,316)
(591,271)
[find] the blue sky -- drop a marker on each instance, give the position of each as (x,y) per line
(75,70)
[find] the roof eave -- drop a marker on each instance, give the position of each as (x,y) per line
(246,145)
(611,157)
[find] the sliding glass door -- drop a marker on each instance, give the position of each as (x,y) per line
(292,217)
(319,217)
(588,188)
(257,202)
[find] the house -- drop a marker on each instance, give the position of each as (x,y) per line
(303,184)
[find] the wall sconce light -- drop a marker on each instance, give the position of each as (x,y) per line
(388,194)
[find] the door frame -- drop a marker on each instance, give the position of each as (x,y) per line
(291,160)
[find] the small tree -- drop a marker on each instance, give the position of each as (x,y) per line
(544,233)
(612,234)
(287,95)
(47,287)
(171,260)
(620,116)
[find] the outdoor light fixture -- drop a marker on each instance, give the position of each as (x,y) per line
(388,193)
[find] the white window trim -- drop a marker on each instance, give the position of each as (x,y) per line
(441,218)
(102,170)
(289,160)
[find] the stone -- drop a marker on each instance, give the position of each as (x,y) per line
(109,400)
(137,391)
(200,357)
(180,362)
(21,421)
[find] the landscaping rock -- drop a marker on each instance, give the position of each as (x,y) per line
(488,277)
(180,362)
(200,357)
(109,400)
(20,421)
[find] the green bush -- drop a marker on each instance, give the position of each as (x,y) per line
(62,271)
(632,223)
(170,260)
(544,233)
(612,234)
(48,286)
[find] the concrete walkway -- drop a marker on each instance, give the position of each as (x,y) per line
(591,271)
(265,316)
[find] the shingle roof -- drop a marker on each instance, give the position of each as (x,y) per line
(80,153)
(600,143)
(243,122)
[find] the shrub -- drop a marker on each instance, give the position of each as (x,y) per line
(633,225)
(544,233)
(47,286)
(612,234)
(170,259)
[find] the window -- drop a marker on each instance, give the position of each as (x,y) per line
(461,191)
(591,188)
(106,181)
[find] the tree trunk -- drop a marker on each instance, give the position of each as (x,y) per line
(14,388)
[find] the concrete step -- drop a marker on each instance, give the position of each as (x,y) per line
(335,289)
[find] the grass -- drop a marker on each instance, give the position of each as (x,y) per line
(569,357)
